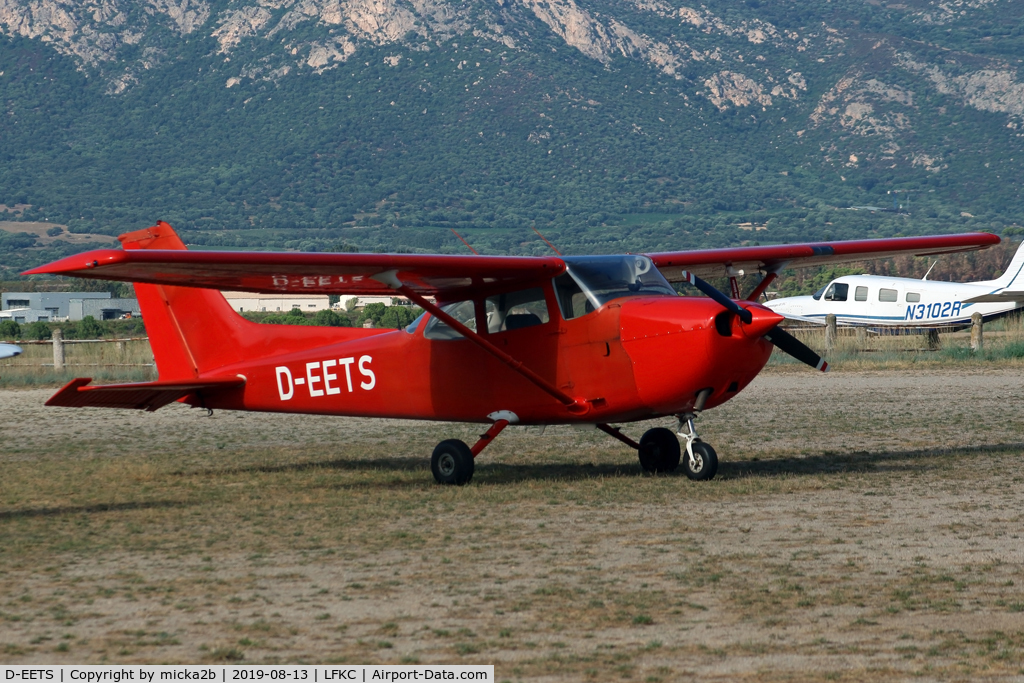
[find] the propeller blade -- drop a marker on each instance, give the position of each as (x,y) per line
(726,303)
(796,348)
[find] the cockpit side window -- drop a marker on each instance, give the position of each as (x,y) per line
(837,291)
(516,310)
(571,299)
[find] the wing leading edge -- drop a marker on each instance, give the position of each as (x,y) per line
(437,275)
(283,272)
(717,262)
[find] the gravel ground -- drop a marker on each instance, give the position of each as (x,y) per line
(864,526)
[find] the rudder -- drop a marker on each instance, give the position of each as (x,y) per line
(190,330)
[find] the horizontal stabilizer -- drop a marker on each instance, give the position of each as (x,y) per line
(996,297)
(138,395)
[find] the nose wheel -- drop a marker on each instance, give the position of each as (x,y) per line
(700,462)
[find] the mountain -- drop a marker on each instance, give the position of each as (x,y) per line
(611,125)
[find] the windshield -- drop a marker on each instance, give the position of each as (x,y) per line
(817,295)
(596,280)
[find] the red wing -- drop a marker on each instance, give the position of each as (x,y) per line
(715,262)
(271,272)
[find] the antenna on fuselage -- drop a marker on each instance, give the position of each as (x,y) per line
(534,228)
(468,245)
(930,269)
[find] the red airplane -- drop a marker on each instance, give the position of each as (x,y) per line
(511,340)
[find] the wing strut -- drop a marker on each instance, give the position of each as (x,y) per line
(577,406)
(769,277)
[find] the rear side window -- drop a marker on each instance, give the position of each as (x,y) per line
(860,294)
(887,295)
(913,297)
(463,311)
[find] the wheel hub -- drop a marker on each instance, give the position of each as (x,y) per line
(446,464)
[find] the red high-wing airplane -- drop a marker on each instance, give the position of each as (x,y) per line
(511,340)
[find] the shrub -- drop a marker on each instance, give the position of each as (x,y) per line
(37,330)
(88,328)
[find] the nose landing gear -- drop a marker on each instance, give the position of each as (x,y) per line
(701,462)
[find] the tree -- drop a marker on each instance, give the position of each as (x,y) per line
(329,318)
(9,329)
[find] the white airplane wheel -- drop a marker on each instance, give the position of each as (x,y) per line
(705,462)
(452,463)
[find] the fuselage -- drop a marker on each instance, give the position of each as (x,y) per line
(878,301)
(631,358)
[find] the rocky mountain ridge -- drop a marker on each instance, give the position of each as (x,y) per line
(825,94)
(745,62)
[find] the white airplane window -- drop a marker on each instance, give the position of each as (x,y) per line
(463,311)
(860,294)
(913,297)
(515,310)
(888,295)
(837,291)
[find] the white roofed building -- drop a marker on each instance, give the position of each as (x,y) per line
(277,303)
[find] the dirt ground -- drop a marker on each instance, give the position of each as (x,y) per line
(864,526)
(39,229)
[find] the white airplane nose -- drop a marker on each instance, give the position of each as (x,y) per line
(9,350)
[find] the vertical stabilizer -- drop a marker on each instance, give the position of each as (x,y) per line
(1014,273)
(190,330)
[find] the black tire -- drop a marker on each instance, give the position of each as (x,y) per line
(659,450)
(452,463)
(707,462)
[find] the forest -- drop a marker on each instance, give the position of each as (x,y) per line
(378,155)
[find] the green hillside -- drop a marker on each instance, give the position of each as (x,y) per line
(406,140)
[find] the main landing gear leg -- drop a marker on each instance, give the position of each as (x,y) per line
(452,461)
(701,462)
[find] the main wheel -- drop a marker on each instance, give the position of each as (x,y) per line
(452,463)
(659,450)
(706,462)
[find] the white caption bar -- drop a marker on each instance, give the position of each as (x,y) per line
(237,673)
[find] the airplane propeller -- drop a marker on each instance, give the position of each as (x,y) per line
(796,348)
(783,340)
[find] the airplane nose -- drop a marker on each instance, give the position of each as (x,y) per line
(763,320)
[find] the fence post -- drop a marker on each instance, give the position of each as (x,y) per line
(830,332)
(932,336)
(977,343)
(58,350)
(862,338)
(120,351)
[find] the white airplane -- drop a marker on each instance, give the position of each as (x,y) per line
(880,301)
(9,350)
